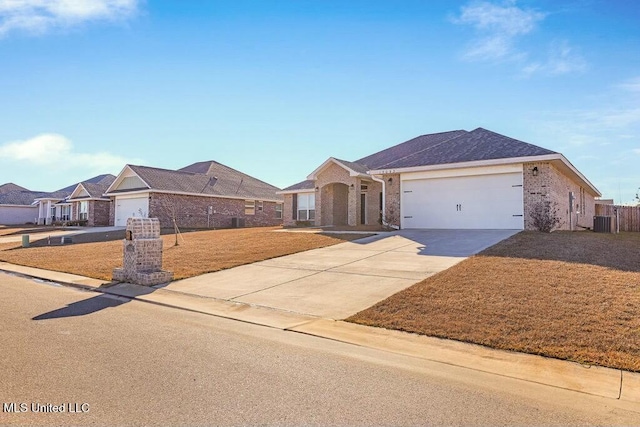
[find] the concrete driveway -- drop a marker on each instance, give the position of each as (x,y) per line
(341,280)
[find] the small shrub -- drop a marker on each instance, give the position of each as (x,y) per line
(545,216)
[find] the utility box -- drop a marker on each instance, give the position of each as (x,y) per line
(142,258)
(602,224)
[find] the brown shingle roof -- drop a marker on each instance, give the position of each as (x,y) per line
(96,189)
(308,184)
(455,146)
(207,178)
(477,145)
(20,197)
(408,148)
(10,186)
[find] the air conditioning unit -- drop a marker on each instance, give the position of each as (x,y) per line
(602,224)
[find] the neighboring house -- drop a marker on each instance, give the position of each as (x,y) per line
(15,205)
(88,202)
(55,206)
(202,195)
(450,180)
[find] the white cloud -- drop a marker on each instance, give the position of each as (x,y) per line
(562,59)
(637,151)
(56,151)
(40,16)
(499,26)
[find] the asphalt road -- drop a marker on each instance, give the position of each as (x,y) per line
(119,362)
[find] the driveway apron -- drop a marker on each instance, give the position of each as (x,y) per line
(338,281)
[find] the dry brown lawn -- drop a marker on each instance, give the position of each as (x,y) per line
(7,230)
(4,230)
(573,296)
(198,253)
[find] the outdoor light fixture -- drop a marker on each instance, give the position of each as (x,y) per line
(317,188)
(535,171)
(352,186)
(390,180)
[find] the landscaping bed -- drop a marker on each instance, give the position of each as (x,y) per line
(573,296)
(197,253)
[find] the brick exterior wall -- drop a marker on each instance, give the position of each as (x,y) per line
(336,174)
(192,211)
(552,185)
(392,199)
(373,212)
(98,213)
(112,211)
(287,211)
(337,202)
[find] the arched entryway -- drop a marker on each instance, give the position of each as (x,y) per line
(335,204)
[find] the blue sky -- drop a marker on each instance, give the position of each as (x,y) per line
(273,88)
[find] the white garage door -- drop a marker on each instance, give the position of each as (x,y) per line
(131,207)
(469,202)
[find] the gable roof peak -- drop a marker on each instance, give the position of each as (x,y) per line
(10,186)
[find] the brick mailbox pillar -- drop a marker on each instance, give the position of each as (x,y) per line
(142,248)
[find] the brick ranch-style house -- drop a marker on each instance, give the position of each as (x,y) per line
(55,207)
(202,195)
(451,180)
(88,202)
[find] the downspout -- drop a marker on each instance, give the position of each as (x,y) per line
(384,203)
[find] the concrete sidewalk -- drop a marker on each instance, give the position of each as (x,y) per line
(605,382)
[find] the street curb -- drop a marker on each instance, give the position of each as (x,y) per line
(595,380)
(52,276)
(600,381)
(257,315)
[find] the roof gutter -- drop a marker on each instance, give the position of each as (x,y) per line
(302,190)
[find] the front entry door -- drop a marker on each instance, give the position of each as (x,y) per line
(363,208)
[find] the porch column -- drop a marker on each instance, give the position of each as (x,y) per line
(48,220)
(353,202)
(318,200)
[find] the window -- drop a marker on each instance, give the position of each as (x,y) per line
(65,213)
(260,205)
(249,207)
(306,207)
(83,211)
(278,210)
